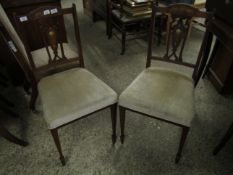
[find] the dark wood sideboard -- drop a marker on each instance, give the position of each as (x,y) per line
(220,67)
(20,7)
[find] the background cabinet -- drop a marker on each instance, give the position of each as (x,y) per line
(20,7)
(220,67)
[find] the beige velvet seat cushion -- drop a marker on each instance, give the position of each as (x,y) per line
(41,56)
(163,93)
(71,94)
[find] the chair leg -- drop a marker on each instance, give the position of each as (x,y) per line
(185,131)
(110,33)
(58,145)
(160,25)
(114,121)
(26,87)
(110,30)
(123,40)
(7,135)
(224,140)
(33,99)
(122,123)
(212,56)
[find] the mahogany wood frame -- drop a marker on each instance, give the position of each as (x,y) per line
(180,11)
(34,74)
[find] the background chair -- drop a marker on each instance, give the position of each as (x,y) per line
(128,18)
(68,92)
(164,93)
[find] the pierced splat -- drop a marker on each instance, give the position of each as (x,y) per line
(178,31)
(56,50)
(179,18)
(51,39)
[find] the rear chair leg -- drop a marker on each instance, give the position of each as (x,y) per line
(185,131)
(58,145)
(114,121)
(33,99)
(7,135)
(122,123)
(123,40)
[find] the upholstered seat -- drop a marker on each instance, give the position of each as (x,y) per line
(40,56)
(163,93)
(71,94)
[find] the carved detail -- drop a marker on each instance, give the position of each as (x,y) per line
(177,36)
(50,27)
(52,39)
(179,18)
(50,34)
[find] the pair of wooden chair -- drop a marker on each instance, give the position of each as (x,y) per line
(69,92)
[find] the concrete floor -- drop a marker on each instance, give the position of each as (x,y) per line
(150,146)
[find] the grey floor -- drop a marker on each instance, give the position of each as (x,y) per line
(150,145)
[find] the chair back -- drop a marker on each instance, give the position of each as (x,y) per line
(179,18)
(49,22)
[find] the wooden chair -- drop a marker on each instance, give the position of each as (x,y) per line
(67,90)
(124,23)
(163,93)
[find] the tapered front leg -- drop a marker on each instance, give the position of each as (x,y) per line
(114,121)
(185,131)
(122,123)
(58,145)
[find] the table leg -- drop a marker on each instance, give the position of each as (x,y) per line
(224,140)
(10,137)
